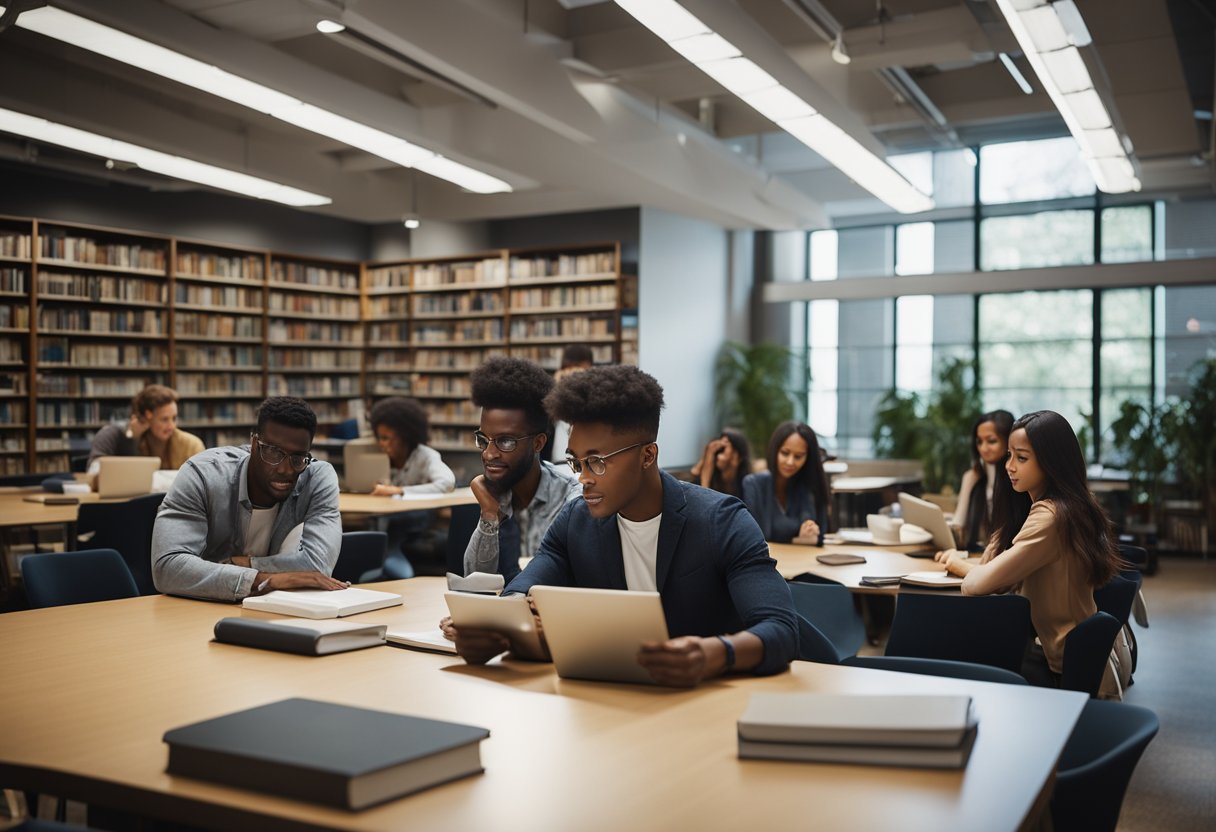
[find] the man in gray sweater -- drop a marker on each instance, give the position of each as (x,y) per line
(243,521)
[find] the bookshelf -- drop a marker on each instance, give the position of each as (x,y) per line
(16,284)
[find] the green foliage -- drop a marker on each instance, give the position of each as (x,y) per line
(936,431)
(753,388)
(1139,438)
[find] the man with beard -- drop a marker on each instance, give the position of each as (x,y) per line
(243,521)
(519,493)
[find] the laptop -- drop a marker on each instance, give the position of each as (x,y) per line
(125,476)
(364,471)
(595,633)
(929,517)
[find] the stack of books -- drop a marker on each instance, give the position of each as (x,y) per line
(922,731)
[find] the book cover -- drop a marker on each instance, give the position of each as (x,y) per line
(940,580)
(321,603)
(862,719)
(432,641)
(873,755)
(347,757)
(305,638)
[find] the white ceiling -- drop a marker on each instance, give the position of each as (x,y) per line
(579,107)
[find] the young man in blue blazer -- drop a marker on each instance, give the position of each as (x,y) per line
(639,528)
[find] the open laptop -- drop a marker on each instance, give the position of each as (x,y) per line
(929,517)
(364,471)
(595,633)
(125,476)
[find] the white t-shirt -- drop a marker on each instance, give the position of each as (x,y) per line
(640,549)
(257,542)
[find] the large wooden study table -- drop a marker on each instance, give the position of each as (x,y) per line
(794,559)
(90,690)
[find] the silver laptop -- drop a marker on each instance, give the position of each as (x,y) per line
(363,471)
(929,517)
(125,476)
(595,633)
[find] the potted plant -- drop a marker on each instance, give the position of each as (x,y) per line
(1139,438)
(756,390)
(1191,431)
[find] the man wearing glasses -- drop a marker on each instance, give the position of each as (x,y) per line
(243,521)
(519,492)
(639,528)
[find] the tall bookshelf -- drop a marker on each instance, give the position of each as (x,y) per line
(101,332)
(16,285)
(386,329)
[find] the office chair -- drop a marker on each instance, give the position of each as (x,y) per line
(1117,596)
(937,667)
(127,528)
(361,557)
(1087,651)
(987,629)
(830,608)
(62,578)
(813,645)
(1097,764)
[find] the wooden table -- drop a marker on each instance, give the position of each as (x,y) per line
(91,689)
(366,504)
(793,559)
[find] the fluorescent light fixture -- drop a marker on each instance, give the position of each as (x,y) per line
(1050,34)
(411,221)
(1015,73)
(330,27)
(95,37)
(177,167)
(725,63)
(839,54)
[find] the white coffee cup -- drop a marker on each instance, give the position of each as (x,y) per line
(884,529)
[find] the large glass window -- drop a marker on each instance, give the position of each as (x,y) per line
(1033,171)
(1126,359)
(1127,234)
(1030,241)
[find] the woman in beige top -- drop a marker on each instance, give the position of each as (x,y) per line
(1051,541)
(151,431)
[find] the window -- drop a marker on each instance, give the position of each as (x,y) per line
(1033,171)
(1029,241)
(1126,359)
(1127,234)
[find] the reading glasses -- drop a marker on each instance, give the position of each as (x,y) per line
(506,444)
(273,455)
(598,463)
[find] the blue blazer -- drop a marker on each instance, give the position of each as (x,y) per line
(713,570)
(779,526)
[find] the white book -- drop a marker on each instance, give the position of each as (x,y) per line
(931,579)
(873,755)
(321,603)
(430,640)
(939,721)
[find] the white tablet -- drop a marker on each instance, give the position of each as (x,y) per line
(508,615)
(596,633)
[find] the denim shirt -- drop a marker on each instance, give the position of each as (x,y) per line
(204,519)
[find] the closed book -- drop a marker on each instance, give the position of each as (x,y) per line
(322,752)
(935,580)
(307,638)
(863,719)
(432,641)
(321,603)
(874,755)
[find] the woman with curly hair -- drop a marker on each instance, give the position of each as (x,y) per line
(402,430)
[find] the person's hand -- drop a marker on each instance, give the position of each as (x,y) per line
(473,645)
(136,426)
(955,561)
(677,662)
(385,490)
(267,581)
(809,528)
(480,487)
(447,628)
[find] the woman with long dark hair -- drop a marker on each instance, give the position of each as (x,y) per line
(989,444)
(790,499)
(724,463)
(1051,542)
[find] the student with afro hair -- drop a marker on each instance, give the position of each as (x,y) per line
(639,528)
(519,492)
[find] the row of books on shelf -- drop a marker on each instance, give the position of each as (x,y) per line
(87,250)
(99,287)
(316,331)
(382,306)
(12,351)
(460,360)
(457,304)
(550,357)
(13,280)
(490,270)
(566,296)
(15,244)
(389,277)
(213,384)
(231,297)
(599,262)
(207,357)
(12,384)
(12,413)
(445,385)
(210,264)
(580,327)
(337,360)
(14,317)
(305,386)
(457,331)
(104,321)
(396,332)
(77,385)
(307,275)
(203,325)
(339,307)
(61,350)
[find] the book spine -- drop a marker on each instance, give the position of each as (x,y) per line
(267,636)
(269,776)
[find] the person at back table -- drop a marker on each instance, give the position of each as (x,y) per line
(227,527)
(575,359)
(519,493)
(1051,541)
(724,463)
(639,528)
(150,431)
(790,499)
(402,429)
(989,444)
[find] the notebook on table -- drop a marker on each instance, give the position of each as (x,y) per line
(300,636)
(322,603)
(595,633)
(125,476)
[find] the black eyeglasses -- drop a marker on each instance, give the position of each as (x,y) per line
(272,455)
(598,463)
(506,444)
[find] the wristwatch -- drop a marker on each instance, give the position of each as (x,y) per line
(730,652)
(487,527)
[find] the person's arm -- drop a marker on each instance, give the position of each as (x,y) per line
(437,476)
(1035,546)
(481,555)
(703,470)
(322,537)
(111,441)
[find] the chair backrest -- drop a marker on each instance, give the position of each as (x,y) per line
(1086,652)
(127,528)
(1137,556)
(361,557)
(62,578)
(460,528)
(985,629)
(1097,763)
(938,667)
(1117,596)
(830,608)
(813,645)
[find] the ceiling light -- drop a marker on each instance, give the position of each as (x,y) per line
(411,221)
(839,54)
(112,43)
(51,132)
(330,27)
(723,61)
(1015,73)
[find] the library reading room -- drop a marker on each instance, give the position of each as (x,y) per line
(659,415)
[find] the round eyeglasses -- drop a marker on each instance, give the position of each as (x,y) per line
(598,463)
(273,455)
(506,444)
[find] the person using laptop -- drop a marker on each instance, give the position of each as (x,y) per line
(989,444)
(639,528)
(402,429)
(243,521)
(790,499)
(519,492)
(150,431)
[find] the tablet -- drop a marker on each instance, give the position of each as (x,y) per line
(595,633)
(508,615)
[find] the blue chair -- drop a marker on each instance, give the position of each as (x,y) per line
(830,608)
(125,527)
(361,557)
(1086,652)
(1117,596)
(985,629)
(460,528)
(1097,763)
(814,646)
(62,578)
(938,667)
